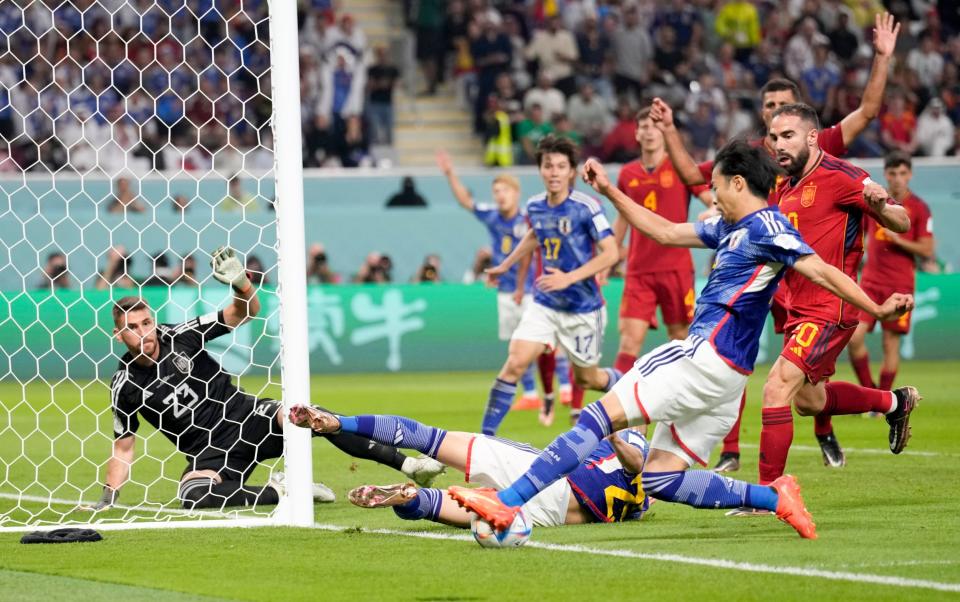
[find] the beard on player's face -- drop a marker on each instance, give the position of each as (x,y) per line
(795,163)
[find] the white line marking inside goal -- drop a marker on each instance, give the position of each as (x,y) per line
(865,450)
(749,567)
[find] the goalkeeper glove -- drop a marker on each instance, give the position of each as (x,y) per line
(228,269)
(109,498)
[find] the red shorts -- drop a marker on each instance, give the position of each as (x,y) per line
(879,294)
(814,346)
(672,291)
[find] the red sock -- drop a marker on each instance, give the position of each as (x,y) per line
(848,398)
(776,435)
(731,443)
(822,424)
(576,397)
(547,364)
(886,380)
(861,365)
(624,362)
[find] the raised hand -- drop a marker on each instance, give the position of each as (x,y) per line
(876,197)
(228,269)
(595,175)
(444,162)
(661,114)
(885,34)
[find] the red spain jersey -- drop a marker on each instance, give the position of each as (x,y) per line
(662,192)
(830,140)
(888,264)
(828,208)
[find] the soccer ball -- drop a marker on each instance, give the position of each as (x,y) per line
(514,537)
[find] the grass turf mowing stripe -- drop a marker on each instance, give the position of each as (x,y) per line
(29,586)
(716,563)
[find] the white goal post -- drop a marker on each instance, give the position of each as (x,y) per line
(134,140)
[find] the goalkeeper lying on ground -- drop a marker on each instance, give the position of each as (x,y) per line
(171,382)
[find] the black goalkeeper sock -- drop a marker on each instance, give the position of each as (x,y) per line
(206,493)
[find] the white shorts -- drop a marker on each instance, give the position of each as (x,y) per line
(689,390)
(509,313)
(581,335)
(497,463)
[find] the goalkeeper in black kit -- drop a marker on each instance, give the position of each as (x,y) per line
(168,379)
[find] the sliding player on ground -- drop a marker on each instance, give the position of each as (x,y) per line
(575,243)
(891,267)
(167,378)
(692,387)
(833,140)
(655,275)
(604,488)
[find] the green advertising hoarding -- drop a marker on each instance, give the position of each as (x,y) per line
(352,328)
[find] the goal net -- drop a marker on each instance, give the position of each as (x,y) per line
(136,137)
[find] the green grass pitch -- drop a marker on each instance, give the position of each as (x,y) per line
(880,516)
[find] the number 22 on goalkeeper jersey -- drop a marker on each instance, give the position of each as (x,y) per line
(567,235)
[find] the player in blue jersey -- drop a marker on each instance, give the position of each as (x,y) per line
(575,243)
(507,224)
(604,488)
(692,387)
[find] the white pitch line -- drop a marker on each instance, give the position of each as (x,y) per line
(865,450)
(749,567)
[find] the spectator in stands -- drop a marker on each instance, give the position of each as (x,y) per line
(926,62)
(563,128)
(318,266)
(348,37)
(382,78)
(843,40)
(555,50)
(589,115)
(498,133)
(478,271)
(238,199)
(377,268)
(763,63)
(550,99)
(632,53)
(798,54)
(679,16)
(518,44)
(819,83)
(408,195)
(702,131)
(729,72)
(116,274)
(593,49)
(529,133)
(491,53)
(706,91)
(430,21)
(738,23)
(338,124)
(509,98)
(125,200)
(935,131)
(898,125)
(620,144)
(55,272)
(429,271)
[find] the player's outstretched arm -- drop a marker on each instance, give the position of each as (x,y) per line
(830,278)
(885,34)
(891,217)
(654,226)
(460,191)
(527,245)
(228,270)
(118,470)
(683,163)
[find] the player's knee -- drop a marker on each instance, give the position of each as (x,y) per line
(196,493)
(514,368)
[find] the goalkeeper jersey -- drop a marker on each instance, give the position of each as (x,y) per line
(185,395)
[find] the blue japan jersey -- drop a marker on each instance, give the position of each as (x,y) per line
(752,256)
(504,236)
(605,488)
(567,234)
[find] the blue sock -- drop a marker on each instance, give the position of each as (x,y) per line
(563,370)
(707,489)
(614,375)
(425,505)
(561,457)
(396,431)
(528,382)
(501,397)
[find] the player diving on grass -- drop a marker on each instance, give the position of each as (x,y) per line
(692,387)
(506,225)
(833,140)
(604,488)
(575,244)
(167,378)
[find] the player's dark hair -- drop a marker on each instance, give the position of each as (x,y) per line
(896,159)
(643,113)
(801,110)
(753,163)
(125,305)
(557,144)
(779,84)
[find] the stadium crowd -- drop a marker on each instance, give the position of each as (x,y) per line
(184,84)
